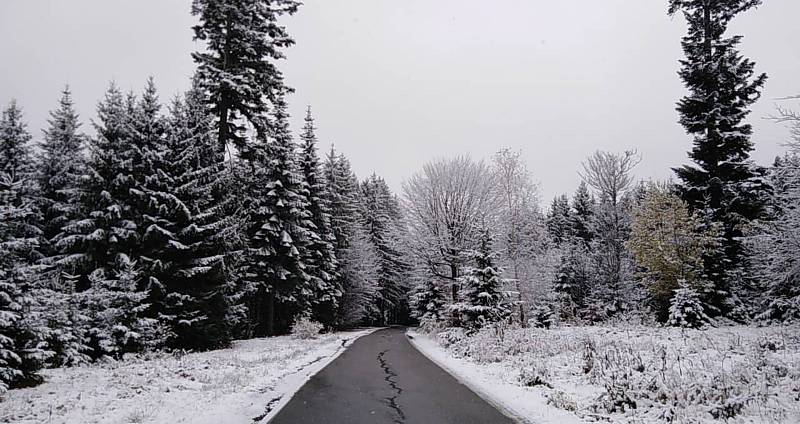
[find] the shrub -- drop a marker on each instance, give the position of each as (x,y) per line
(305,328)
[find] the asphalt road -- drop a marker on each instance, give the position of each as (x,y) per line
(382,378)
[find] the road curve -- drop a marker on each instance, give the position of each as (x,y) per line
(382,378)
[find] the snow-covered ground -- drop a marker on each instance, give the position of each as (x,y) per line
(629,374)
(244,384)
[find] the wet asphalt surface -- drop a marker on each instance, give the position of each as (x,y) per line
(382,378)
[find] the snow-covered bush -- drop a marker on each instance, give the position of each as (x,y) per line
(534,374)
(644,374)
(305,328)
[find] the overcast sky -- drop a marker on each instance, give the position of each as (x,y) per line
(395,83)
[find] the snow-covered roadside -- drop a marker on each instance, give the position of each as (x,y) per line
(523,404)
(629,374)
(247,383)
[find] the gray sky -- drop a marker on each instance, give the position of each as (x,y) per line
(396,83)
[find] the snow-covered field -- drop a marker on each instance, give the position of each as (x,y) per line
(244,384)
(629,374)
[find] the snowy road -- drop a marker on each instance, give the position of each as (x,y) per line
(381,378)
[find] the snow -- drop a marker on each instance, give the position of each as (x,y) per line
(523,404)
(247,383)
(628,374)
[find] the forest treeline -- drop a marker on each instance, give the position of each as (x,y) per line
(187,224)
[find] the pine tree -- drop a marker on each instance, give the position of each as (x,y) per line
(101,247)
(20,352)
(686,309)
(114,310)
(573,278)
(237,71)
(321,262)
(381,217)
(483,299)
(582,217)
(558,219)
(278,233)
(60,167)
(724,184)
(358,259)
(102,237)
(186,233)
(15,150)
(427,301)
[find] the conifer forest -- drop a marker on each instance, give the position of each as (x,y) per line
(191,249)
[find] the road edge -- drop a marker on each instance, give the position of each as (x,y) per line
(411,336)
(295,386)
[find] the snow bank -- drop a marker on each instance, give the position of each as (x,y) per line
(628,374)
(247,383)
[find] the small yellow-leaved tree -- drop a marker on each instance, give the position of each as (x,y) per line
(668,244)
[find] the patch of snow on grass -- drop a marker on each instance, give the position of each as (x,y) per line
(629,374)
(247,383)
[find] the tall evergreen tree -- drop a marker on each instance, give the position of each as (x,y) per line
(358,258)
(278,231)
(60,166)
(20,352)
(15,150)
(322,265)
(724,184)
(188,228)
(101,238)
(101,247)
(483,299)
(582,217)
(558,219)
(237,70)
(382,217)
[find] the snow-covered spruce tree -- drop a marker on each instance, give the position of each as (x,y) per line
(575,271)
(100,247)
(358,259)
(573,278)
(321,263)
(60,167)
(668,244)
(20,352)
(104,234)
(582,217)
(686,309)
(237,70)
(382,219)
(15,150)
(558,219)
(278,229)
(724,183)
(114,310)
(483,302)
(427,301)
(188,228)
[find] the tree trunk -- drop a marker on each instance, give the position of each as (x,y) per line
(270,313)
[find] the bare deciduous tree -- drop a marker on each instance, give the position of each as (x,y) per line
(445,205)
(610,173)
(519,198)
